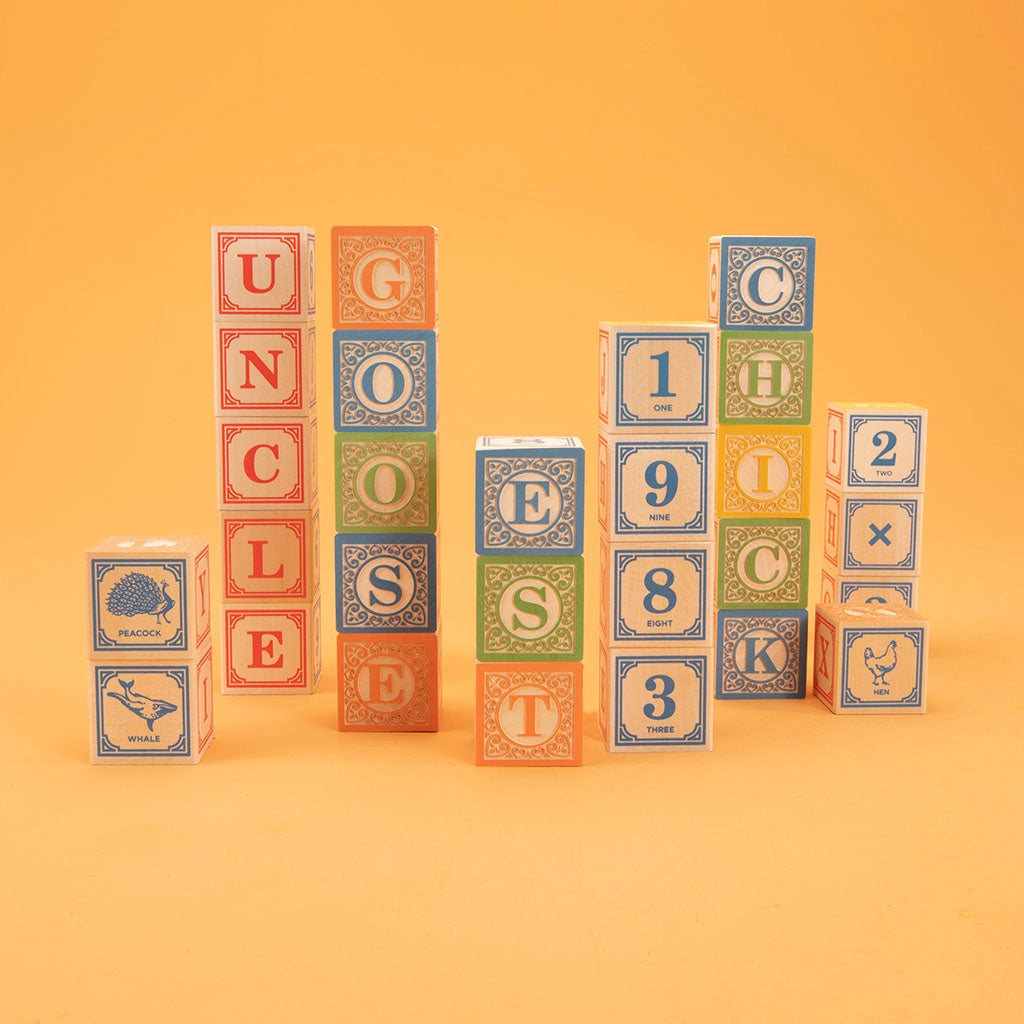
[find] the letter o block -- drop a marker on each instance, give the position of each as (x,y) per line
(271,648)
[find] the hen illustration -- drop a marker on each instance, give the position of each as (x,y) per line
(880,665)
(149,708)
(139,594)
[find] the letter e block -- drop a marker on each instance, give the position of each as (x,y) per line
(269,464)
(271,555)
(761,654)
(271,648)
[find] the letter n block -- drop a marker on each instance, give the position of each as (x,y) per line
(270,464)
(761,654)
(271,647)
(271,556)
(264,370)
(875,447)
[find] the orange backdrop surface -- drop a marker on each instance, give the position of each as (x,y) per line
(575,158)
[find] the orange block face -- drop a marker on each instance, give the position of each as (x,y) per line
(384,277)
(388,683)
(529,715)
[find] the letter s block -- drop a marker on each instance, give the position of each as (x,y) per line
(269,464)
(875,447)
(271,647)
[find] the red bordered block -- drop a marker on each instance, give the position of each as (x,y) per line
(388,683)
(269,464)
(271,647)
(271,556)
(264,370)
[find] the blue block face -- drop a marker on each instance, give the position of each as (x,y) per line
(142,711)
(385,381)
(881,591)
(386,583)
(763,283)
(529,496)
(884,451)
(882,667)
(761,654)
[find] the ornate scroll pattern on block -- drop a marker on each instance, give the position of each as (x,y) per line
(559,686)
(412,355)
(778,638)
(789,500)
(736,541)
(560,473)
(789,406)
(415,655)
(411,250)
(561,639)
(414,613)
(738,313)
(356,457)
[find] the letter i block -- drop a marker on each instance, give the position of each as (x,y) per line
(385,483)
(271,556)
(763,563)
(657,377)
(384,277)
(151,713)
(655,700)
(529,496)
(271,647)
(149,598)
(264,370)
(870,658)
(264,274)
(388,683)
(764,377)
(529,715)
(269,464)
(875,447)
(867,588)
(873,534)
(761,654)
(764,283)
(764,472)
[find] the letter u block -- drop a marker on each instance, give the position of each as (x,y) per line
(867,588)
(763,472)
(271,647)
(762,654)
(873,532)
(870,659)
(271,555)
(269,464)
(875,447)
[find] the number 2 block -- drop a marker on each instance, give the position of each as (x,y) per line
(876,447)
(867,588)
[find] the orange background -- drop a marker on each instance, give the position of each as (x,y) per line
(575,158)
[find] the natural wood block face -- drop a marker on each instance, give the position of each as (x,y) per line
(271,555)
(529,715)
(529,608)
(149,598)
(264,274)
(765,378)
(270,464)
(271,647)
(264,370)
(763,563)
(655,378)
(761,654)
(870,659)
(864,588)
(764,283)
(763,472)
(384,277)
(388,683)
(385,483)
(656,488)
(873,534)
(655,700)
(875,447)
(149,712)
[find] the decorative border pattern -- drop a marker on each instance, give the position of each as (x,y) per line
(735,407)
(175,567)
(105,747)
(915,421)
(699,524)
(909,562)
(789,627)
(699,340)
(915,635)
(797,254)
(793,535)
(697,736)
(623,633)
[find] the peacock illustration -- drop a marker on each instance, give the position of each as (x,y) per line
(139,594)
(880,665)
(149,708)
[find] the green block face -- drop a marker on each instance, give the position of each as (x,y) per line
(764,378)
(385,483)
(529,609)
(762,563)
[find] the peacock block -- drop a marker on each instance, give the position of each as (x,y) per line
(657,377)
(868,588)
(654,488)
(761,654)
(384,278)
(875,446)
(264,274)
(149,598)
(764,471)
(385,381)
(655,700)
(763,563)
(271,647)
(529,608)
(529,715)
(385,483)
(871,659)
(761,282)
(765,377)
(874,532)
(271,555)
(151,713)
(388,682)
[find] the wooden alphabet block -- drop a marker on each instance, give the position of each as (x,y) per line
(873,534)
(388,683)
(150,712)
(149,598)
(655,700)
(764,283)
(529,608)
(386,583)
(264,371)
(529,496)
(761,654)
(867,588)
(271,647)
(384,277)
(529,715)
(763,472)
(656,487)
(657,377)
(264,274)
(763,563)
(271,555)
(870,659)
(385,381)
(873,447)
(268,464)
(765,377)
(385,483)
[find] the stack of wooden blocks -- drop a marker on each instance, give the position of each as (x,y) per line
(529,545)
(656,486)
(761,295)
(264,291)
(384,283)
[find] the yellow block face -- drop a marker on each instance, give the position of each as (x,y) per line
(764,472)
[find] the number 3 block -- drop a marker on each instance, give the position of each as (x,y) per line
(876,446)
